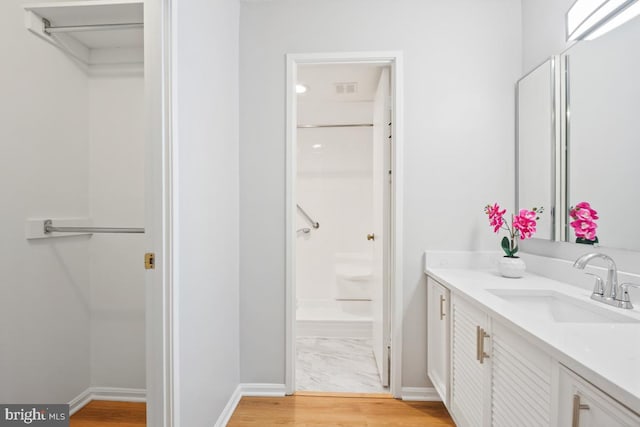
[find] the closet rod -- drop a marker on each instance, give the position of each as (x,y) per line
(354,125)
(95,27)
(49,228)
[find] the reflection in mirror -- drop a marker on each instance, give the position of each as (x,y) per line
(536,145)
(603,133)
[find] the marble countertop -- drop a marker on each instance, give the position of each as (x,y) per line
(606,354)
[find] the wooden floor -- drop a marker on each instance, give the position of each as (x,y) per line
(298,410)
(308,410)
(110,414)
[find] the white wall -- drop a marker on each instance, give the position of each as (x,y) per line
(206,208)
(543,30)
(116,165)
(334,185)
(461,60)
(44,292)
(543,35)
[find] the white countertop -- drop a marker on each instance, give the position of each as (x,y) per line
(607,354)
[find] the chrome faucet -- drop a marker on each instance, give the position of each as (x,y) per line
(611,290)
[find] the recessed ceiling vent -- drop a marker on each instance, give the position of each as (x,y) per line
(346,88)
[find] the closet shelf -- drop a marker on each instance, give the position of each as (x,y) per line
(92,31)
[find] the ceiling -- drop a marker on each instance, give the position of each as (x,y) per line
(322,82)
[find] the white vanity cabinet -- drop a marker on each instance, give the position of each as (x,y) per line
(485,373)
(583,405)
(470,364)
(498,378)
(438,342)
(521,381)
(492,372)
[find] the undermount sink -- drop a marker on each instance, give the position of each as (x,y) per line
(557,307)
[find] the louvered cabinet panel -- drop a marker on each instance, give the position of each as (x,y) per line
(520,381)
(468,374)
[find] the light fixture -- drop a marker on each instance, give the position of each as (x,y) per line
(626,15)
(300,88)
(316,146)
(588,19)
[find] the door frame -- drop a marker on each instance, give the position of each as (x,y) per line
(160,318)
(394,60)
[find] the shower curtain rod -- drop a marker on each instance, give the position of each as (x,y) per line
(354,125)
(49,228)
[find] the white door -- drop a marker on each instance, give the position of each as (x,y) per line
(157,197)
(381,214)
(438,338)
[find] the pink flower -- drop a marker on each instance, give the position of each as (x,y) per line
(496,215)
(584,209)
(522,226)
(584,224)
(525,223)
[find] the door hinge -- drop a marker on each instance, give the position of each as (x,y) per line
(149,261)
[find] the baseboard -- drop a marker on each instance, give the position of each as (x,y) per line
(79,401)
(230,407)
(263,390)
(107,393)
(423,394)
(248,389)
(119,394)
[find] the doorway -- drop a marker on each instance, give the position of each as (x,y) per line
(343,328)
(98,138)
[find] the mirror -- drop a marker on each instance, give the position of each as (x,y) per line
(536,148)
(602,94)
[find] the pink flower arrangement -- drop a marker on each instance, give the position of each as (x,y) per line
(523,226)
(584,223)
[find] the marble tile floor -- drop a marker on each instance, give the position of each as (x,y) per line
(344,365)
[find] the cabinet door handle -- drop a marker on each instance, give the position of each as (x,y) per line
(442,300)
(577,406)
(478,343)
(481,354)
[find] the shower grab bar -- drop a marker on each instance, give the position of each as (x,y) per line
(50,228)
(313,223)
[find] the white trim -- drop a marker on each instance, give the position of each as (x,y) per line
(290,214)
(116,394)
(159,219)
(397,302)
(79,401)
(395,60)
(420,394)
(250,390)
(230,407)
(113,394)
(263,390)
